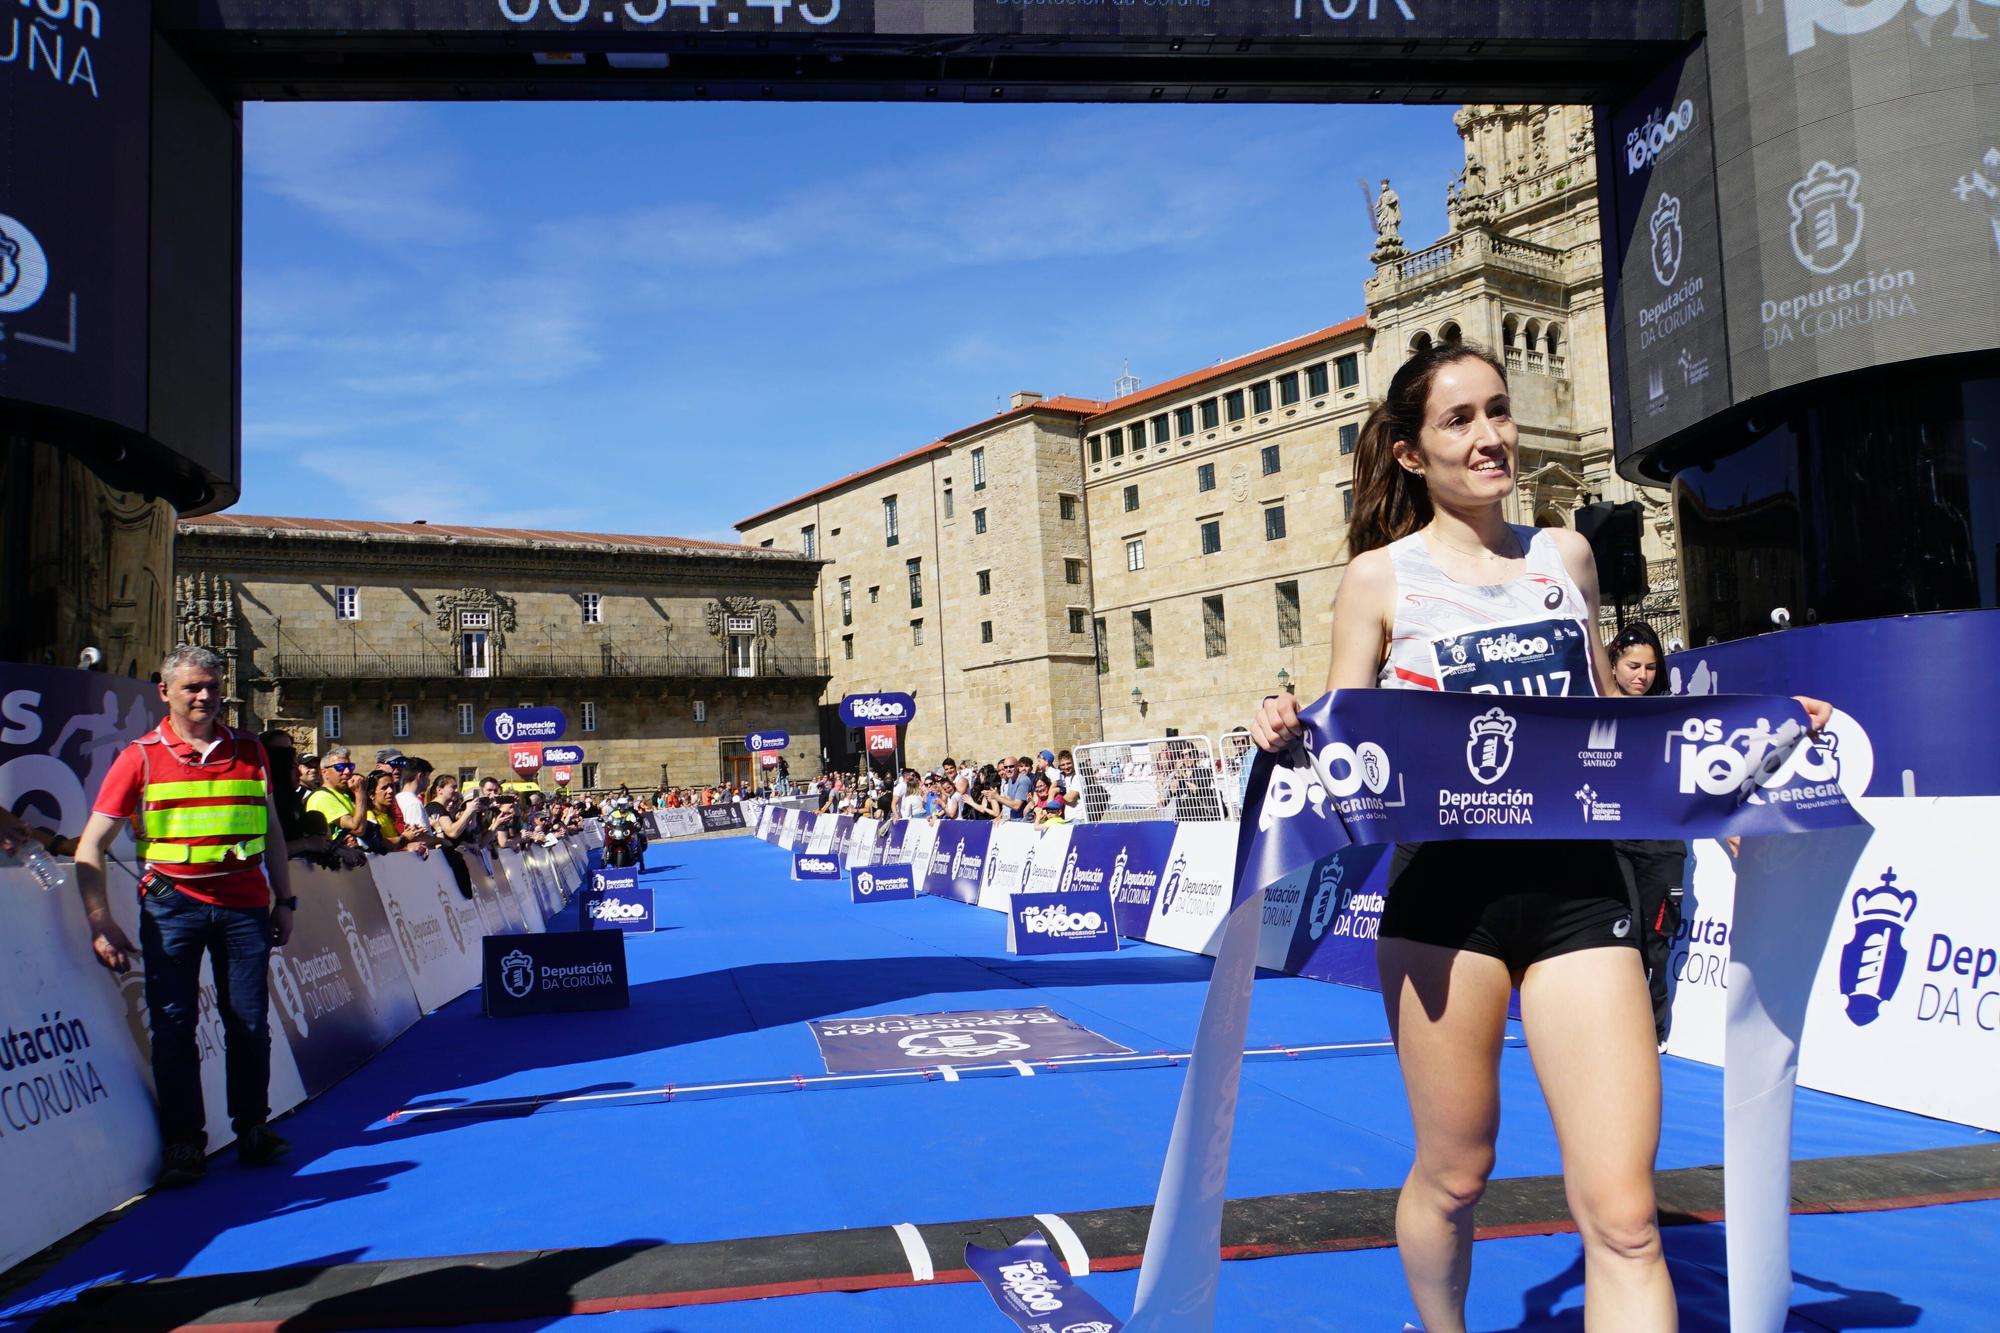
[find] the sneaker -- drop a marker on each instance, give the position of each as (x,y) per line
(260,1146)
(185,1164)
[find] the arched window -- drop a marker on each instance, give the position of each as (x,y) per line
(1532,337)
(1510,331)
(1549,518)
(1557,349)
(1421,342)
(1450,334)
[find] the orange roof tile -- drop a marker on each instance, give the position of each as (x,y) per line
(352,527)
(1168,388)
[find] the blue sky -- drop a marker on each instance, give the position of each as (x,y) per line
(663,318)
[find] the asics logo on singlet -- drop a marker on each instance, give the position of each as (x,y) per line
(1513,648)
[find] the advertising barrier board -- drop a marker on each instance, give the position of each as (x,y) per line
(437,928)
(59,732)
(881,884)
(1010,860)
(1077,919)
(496,895)
(925,1041)
(815,866)
(957,859)
(566,971)
(339,983)
(825,829)
(1192,898)
(625,907)
(680,822)
(716,818)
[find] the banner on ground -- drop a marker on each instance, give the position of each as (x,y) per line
(981,1036)
(1032,1288)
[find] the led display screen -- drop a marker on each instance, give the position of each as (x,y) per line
(1387,20)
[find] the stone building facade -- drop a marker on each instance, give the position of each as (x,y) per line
(957,573)
(1212,530)
(662,653)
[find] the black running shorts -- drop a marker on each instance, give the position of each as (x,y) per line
(1519,902)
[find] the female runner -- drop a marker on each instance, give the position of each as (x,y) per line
(1436,571)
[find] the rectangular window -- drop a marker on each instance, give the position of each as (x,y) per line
(847,647)
(978,521)
(1066,508)
(949,508)
(1007,712)
(1288,613)
(347,603)
(985,582)
(1211,414)
(588,720)
(809,541)
(1135,553)
(1097,448)
(978,469)
(1269,456)
(1288,388)
(891,531)
(465,719)
(1204,478)
(1103,646)
(329,722)
(1131,498)
(701,710)
(915,569)
(1184,421)
(1211,536)
(1347,370)
(1142,640)
(846,600)
(1233,403)
(1115,439)
(1349,434)
(1274,523)
(1076,618)
(399,721)
(1347,503)
(589,775)
(593,608)
(1316,381)
(1260,396)
(468,777)
(1072,571)
(1214,629)
(1161,433)
(917,633)
(986,631)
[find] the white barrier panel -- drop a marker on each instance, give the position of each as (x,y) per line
(823,832)
(1907,987)
(864,843)
(77,1130)
(1283,901)
(1011,854)
(1192,901)
(679,822)
(1051,853)
(287,1087)
(339,983)
(438,929)
(511,870)
(788,830)
(918,844)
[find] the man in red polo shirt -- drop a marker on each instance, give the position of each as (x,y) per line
(198,795)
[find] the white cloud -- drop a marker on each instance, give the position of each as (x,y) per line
(379,172)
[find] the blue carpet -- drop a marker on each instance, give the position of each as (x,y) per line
(745,957)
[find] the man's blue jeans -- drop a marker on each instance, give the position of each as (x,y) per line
(175,933)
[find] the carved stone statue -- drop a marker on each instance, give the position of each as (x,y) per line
(1388,216)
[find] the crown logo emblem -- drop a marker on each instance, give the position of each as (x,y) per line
(345,918)
(517,974)
(1491,747)
(1884,902)
(1667,243)
(1827,217)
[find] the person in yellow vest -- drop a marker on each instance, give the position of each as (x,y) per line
(198,795)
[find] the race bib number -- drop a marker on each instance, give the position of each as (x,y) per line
(1531,657)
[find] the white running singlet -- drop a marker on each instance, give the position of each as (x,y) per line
(1526,636)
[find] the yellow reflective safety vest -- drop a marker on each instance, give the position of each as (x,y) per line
(202,812)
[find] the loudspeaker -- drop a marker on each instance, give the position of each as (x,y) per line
(1614,533)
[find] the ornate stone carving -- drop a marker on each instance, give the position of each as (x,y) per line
(206,615)
(476,599)
(717,614)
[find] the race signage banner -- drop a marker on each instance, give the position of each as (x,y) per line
(564,972)
(958,859)
(815,866)
(1126,860)
(864,842)
(340,984)
(881,884)
(617,882)
(680,822)
(1193,898)
(560,776)
(1379,766)
(437,928)
(1077,919)
(790,832)
(59,732)
(524,758)
(891,710)
(1032,1288)
(505,726)
(925,1041)
(825,831)
(562,756)
(757,742)
(625,907)
(880,741)
(716,818)
(1011,850)
(496,895)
